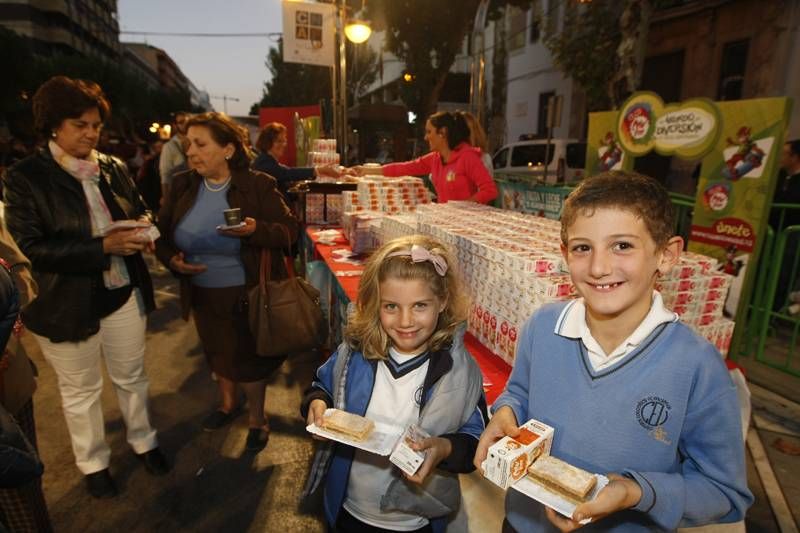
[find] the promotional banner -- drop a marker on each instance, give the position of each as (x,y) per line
(738,143)
(308,33)
(735,188)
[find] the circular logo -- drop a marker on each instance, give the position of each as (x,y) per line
(652,412)
(638,123)
(717,196)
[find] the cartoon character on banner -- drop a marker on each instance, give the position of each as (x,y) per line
(610,153)
(747,156)
(732,265)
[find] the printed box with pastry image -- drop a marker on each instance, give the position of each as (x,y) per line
(560,485)
(508,459)
(359,432)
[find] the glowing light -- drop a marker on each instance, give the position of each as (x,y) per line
(357,31)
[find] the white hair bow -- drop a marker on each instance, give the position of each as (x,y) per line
(419,254)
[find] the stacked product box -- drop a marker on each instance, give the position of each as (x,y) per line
(394,226)
(696,291)
(316,212)
(511,265)
(323,153)
(392,195)
(358,228)
(350,202)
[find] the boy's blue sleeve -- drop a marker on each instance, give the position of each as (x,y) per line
(322,386)
(712,483)
(515,394)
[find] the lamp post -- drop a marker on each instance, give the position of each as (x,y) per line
(357,31)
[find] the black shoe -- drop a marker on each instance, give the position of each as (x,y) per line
(154,462)
(101,485)
(219,419)
(256,439)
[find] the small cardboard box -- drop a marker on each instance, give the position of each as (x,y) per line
(403,456)
(508,459)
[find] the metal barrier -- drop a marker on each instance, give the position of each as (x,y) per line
(766,319)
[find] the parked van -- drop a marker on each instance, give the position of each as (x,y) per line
(565,161)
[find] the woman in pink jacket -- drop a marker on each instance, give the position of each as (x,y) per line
(455,166)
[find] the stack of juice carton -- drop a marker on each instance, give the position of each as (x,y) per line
(392,195)
(696,290)
(323,153)
(375,198)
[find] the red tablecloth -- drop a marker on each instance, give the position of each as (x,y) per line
(495,370)
(348,281)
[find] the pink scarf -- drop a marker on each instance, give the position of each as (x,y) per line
(87,172)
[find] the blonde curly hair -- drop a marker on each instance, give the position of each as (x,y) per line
(364,331)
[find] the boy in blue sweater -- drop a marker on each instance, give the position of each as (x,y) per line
(631,392)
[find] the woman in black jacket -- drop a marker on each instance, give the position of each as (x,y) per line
(94,288)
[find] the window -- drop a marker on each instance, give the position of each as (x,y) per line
(576,155)
(517,24)
(541,120)
(663,74)
(531,155)
(500,160)
(731,71)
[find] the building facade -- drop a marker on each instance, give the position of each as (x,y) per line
(86,27)
(169,75)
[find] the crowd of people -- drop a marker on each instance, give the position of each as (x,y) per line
(73,273)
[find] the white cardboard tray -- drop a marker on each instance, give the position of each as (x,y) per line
(381,441)
(530,488)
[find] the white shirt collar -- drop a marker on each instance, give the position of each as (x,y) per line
(571,323)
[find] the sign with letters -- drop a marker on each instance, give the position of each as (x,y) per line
(308,33)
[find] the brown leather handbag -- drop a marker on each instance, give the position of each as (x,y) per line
(284,316)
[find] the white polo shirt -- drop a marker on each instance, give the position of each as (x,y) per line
(572,323)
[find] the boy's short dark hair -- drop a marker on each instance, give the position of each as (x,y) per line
(630,191)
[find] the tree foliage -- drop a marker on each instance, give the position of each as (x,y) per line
(293,84)
(602,48)
(426,35)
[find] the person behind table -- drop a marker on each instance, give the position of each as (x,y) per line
(271,143)
(94,287)
(217,267)
(628,388)
(455,166)
(403,362)
(477,138)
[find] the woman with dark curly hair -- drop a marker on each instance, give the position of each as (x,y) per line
(95,291)
(217,262)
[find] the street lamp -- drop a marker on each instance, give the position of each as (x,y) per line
(356,31)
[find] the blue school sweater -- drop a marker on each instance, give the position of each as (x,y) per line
(667,415)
